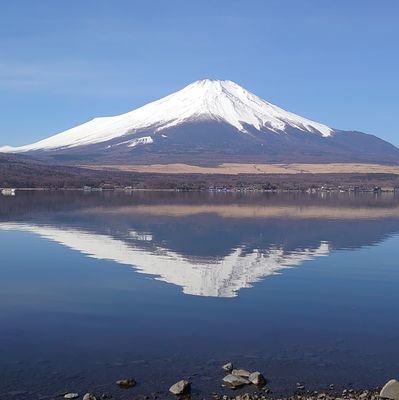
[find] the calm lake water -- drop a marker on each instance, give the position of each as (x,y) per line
(96,287)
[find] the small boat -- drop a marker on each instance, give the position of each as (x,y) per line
(8,192)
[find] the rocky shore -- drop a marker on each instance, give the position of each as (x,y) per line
(252,385)
(390,391)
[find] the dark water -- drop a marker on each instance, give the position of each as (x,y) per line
(162,286)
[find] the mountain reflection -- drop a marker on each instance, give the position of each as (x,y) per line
(206,247)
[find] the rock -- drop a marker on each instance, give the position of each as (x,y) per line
(181,387)
(241,372)
(235,380)
(300,386)
(71,395)
(257,379)
(89,396)
(228,367)
(390,390)
(126,383)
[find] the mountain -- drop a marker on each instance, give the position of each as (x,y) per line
(210,122)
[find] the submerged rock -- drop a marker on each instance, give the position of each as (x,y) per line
(126,383)
(390,390)
(300,386)
(235,381)
(16,393)
(181,387)
(71,395)
(241,372)
(228,367)
(257,379)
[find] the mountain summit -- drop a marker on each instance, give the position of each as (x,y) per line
(214,120)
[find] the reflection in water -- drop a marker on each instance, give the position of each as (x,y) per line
(197,276)
(324,322)
(207,245)
(256,211)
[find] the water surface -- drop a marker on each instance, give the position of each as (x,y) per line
(161,286)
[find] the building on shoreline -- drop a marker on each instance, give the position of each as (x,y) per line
(8,192)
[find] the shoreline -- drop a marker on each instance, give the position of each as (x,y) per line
(224,382)
(127,389)
(199,190)
(231,177)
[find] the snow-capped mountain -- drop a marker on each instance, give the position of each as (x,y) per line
(210,118)
(202,100)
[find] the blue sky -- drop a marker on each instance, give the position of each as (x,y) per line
(65,62)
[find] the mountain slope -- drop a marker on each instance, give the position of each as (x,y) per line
(210,121)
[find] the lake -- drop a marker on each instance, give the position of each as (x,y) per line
(161,286)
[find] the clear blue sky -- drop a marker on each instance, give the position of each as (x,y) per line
(65,62)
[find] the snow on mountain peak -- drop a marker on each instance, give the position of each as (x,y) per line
(207,99)
(227,101)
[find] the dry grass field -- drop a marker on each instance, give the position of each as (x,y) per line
(257,169)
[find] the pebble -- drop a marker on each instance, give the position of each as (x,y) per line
(390,390)
(241,372)
(126,383)
(71,395)
(89,396)
(300,386)
(228,367)
(257,379)
(235,381)
(260,396)
(181,387)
